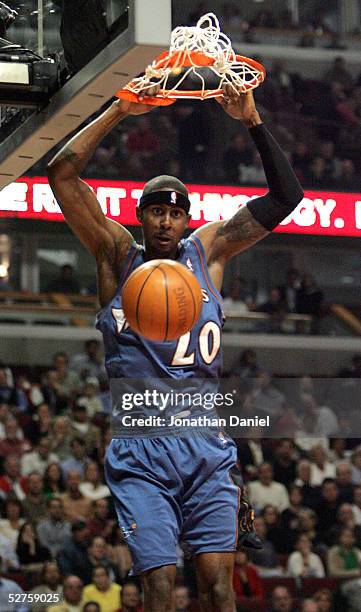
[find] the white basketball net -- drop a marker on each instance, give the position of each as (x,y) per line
(206,38)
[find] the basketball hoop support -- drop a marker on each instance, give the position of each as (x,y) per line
(148,34)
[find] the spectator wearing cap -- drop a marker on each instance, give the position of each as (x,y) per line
(76,505)
(12,523)
(54,530)
(78,459)
(90,362)
(9,587)
(38,459)
(266,491)
(81,427)
(50,584)
(344,559)
(303,563)
(73,557)
(13,443)
(11,482)
(93,487)
(34,505)
(72,593)
(102,590)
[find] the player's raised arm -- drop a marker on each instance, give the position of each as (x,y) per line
(224,239)
(76,199)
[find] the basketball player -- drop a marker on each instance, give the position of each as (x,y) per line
(170,484)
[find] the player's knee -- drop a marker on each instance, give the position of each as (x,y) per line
(221,593)
(160,585)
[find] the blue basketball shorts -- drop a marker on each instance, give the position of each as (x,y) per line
(174,489)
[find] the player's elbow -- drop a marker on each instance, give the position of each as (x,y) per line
(52,171)
(59,174)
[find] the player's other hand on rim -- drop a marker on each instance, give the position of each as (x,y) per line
(239,106)
(137,108)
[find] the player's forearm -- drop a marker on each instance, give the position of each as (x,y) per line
(74,156)
(285,191)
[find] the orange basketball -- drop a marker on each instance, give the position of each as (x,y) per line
(162,300)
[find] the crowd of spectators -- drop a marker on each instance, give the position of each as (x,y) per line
(58,529)
(298,295)
(318,123)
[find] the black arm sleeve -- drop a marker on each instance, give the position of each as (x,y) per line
(285,191)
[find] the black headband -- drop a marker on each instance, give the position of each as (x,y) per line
(171,198)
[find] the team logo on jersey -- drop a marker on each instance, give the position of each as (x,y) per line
(173,197)
(205,296)
(128,532)
(189,264)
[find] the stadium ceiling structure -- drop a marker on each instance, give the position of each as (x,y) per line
(147,35)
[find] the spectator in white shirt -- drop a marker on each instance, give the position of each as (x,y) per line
(320,467)
(92,486)
(267,491)
(90,397)
(11,524)
(39,459)
(303,563)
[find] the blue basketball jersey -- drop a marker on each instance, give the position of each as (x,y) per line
(192,363)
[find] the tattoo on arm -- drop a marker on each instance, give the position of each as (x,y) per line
(242,228)
(67,154)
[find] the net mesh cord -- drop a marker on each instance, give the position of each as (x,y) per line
(186,44)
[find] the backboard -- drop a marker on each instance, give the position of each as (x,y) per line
(138,33)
